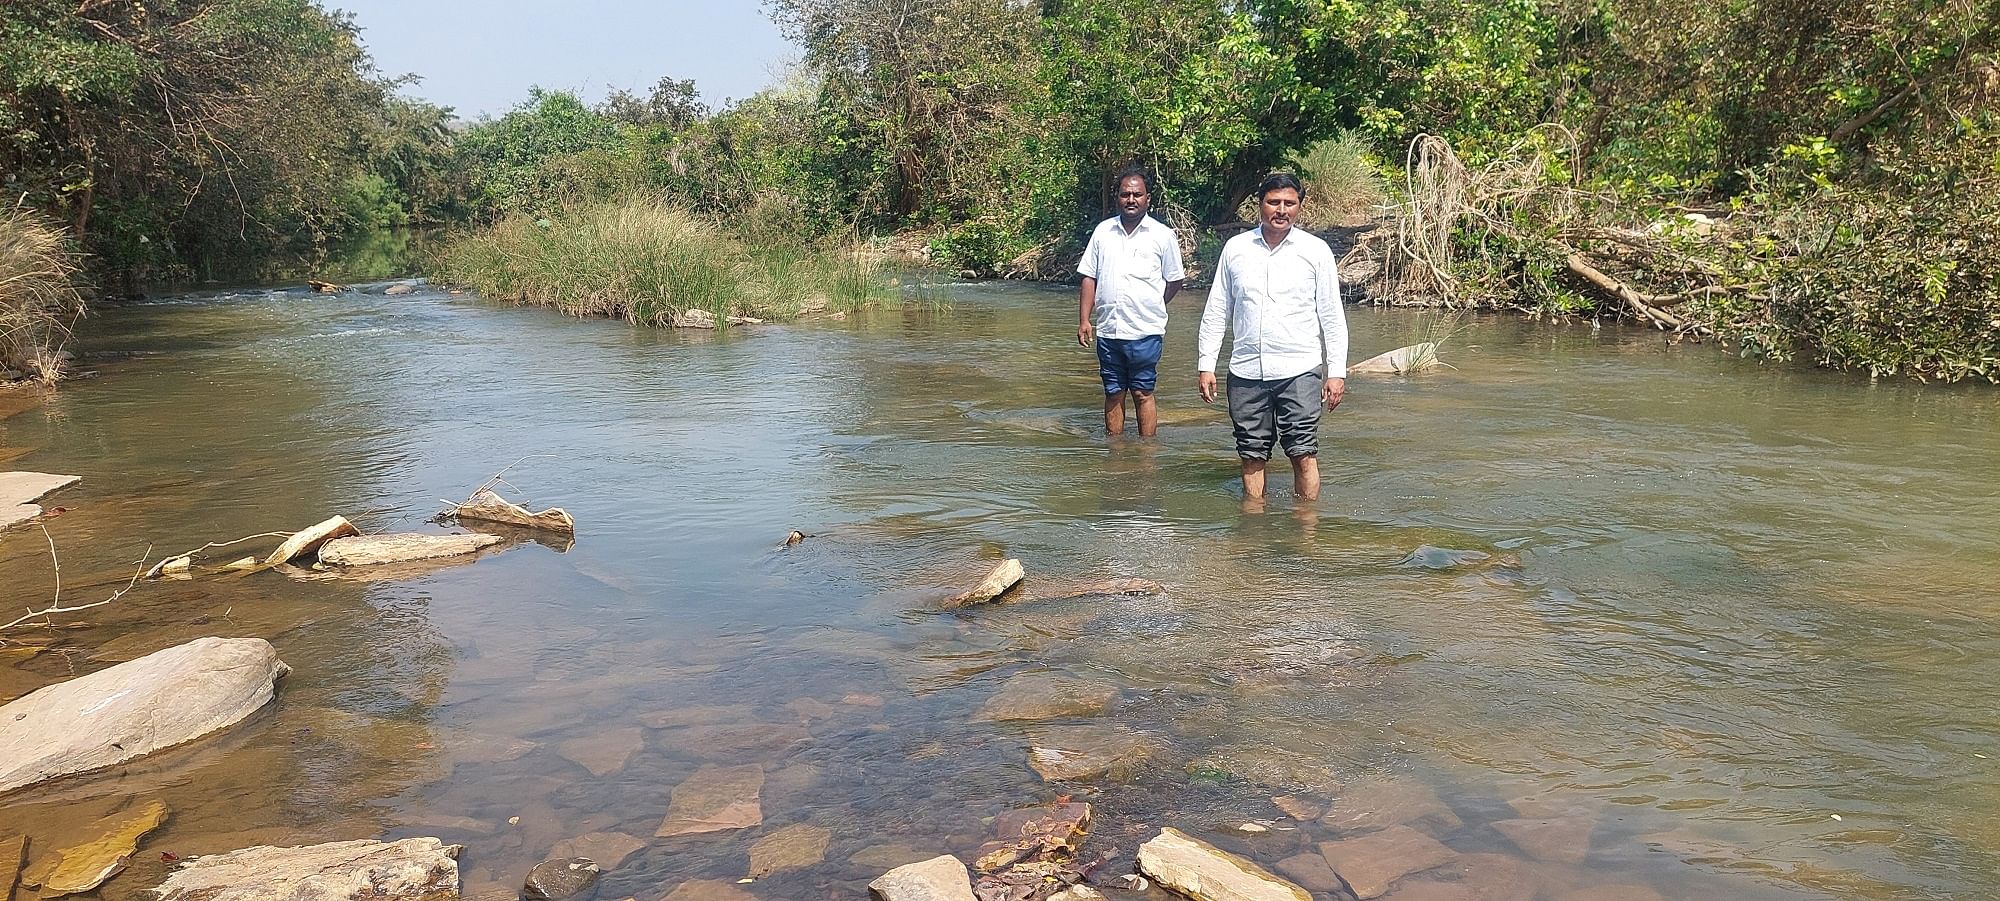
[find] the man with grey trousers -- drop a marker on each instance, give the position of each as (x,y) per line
(1276,291)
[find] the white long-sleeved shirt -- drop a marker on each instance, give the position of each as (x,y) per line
(1281,303)
(1132,272)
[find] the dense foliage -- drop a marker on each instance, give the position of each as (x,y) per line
(1845,150)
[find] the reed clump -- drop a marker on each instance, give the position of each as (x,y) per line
(647,262)
(39,300)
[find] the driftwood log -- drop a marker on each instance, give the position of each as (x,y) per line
(485,505)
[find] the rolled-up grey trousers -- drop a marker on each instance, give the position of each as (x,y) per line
(1281,411)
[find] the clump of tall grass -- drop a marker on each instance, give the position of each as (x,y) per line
(38,295)
(1342,182)
(646,261)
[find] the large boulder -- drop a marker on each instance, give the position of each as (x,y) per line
(941,878)
(414,869)
(373,550)
(135,708)
(1203,872)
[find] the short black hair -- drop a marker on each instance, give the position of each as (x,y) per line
(1139,172)
(1278,181)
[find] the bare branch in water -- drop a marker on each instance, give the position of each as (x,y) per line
(55,606)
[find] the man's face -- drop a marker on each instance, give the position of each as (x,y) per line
(1278,208)
(1133,201)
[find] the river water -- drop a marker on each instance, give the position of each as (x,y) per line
(1598,613)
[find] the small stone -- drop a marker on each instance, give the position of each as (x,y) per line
(942,878)
(1204,872)
(794,847)
(1251,828)
(555,880)
(715,799)
(1047,696)
(1373,862)
(513,821)
(604,753)
(608,849)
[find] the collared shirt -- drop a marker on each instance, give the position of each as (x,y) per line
(1279,302)
(1132,272)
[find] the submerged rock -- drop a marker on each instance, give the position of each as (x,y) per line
(308,540)
(883,857)
(1035,834)
(414,869)
(133,709)
(13,853)
(941,878)
(1083,752)
(86,865)
(1005,575)
(400,289)
(708,890)
(20,490)
(1047,696)
(715,799)
(1204,872)
(1561,840)
(556,880)
(735,741)
(1373,862)
(794,847)
(1265,765)
(1101,588)
(1389,801)
(604,753)
(375,550)
(608,849)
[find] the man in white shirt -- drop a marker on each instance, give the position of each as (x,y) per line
(1131,269)
(1276,290)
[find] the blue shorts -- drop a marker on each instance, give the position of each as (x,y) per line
(1129,364)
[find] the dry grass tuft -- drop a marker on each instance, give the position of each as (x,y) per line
(39,300)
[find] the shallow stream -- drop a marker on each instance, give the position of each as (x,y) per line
(1599,613)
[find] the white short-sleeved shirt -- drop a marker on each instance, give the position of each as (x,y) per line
(1132,272)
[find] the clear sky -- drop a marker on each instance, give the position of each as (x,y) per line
(481,56)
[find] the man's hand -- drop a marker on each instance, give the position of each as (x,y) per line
(1085,334)
(1335,390)
(1206,385)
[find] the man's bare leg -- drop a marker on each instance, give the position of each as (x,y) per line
(1147,412)
(1114,413)
(1253,478)
(1305,476)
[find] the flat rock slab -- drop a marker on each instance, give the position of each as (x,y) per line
(1373,862)
(135,708)
(735,741)
(375,550)
(1201,871)
(941,878)
(310,539)
(1047,696)
(1084,752)
(604,753)
(20,490)
(794,847)
(715,799)
(86,865)
(414,869)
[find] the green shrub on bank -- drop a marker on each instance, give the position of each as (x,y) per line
(38,300)
(646,261)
